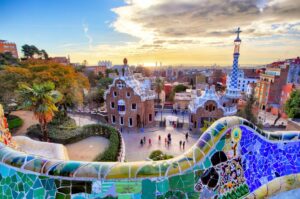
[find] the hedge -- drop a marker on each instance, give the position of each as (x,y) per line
(14,122)
(68,135)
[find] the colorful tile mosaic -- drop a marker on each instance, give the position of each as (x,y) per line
(232,159)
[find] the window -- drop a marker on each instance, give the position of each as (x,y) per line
(121,121)
(121,106)
(133,106)
(150,117)
(115,94)
(120,85)
(112,105)
(130,121)
(113,119)
(128,94)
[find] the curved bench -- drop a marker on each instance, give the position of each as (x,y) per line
(232,159)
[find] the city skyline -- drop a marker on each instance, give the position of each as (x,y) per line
(188,32)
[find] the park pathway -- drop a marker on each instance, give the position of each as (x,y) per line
(28,120)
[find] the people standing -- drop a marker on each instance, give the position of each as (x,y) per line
(183,145)
(180,143)
(166,140)
(186,136)
(159,138)
(149,141)
(144,139)
(168,143)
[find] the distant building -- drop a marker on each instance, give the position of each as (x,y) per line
(95,69)
(269,86)
(129,102)
(6,46)
(106,63)
(245,77)
(61,60)
(294,71)
(182,100)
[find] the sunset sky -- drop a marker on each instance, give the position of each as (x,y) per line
(188,32)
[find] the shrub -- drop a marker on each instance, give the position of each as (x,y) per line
(159,155)
(14,122)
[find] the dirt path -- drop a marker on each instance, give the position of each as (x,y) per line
(87,149)
(28,120)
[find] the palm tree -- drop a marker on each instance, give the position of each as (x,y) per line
(41,99)
(159,84)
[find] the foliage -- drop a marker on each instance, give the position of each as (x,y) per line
(30,50)
(159,155)
(292,105)
(8,59)
(96,97)
(66,133)
(177,89)
(247,112)
(158,86)
(108,71)
(14,122)
(41,99)
(105,82)
(67,81)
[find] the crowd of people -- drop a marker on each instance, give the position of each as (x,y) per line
(167,139)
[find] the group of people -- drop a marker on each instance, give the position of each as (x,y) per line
(168,140)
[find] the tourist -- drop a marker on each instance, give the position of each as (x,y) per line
(159,138)
(186,136)
(142,142)
(180,143)
(144,139)
(166,141)
(183,145)
(149,141)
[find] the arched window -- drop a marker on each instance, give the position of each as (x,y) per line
(121,105)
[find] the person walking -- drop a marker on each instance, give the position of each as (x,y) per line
(166,140)
(142,142)
(149,141)
(183,145)
(168,143)
(144,139)
(159,138)
(180,143)
(186,136)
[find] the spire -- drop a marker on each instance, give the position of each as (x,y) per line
(232,89)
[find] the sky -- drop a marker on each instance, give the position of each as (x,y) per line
(174,32)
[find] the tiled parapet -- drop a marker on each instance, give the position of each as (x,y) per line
(232,159)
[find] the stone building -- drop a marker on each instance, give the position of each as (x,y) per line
(212,105)
(129,103)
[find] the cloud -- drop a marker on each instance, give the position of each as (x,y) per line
(205,22)
(87,35)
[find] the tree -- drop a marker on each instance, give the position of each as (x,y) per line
(292,105)
(41,99)
(44,54)
(247,112)
(30,50)
(159,155)
(68,82)
(7,58)
(158,85)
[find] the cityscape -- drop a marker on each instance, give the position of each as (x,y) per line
(138,99)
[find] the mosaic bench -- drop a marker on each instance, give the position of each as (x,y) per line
(232,159)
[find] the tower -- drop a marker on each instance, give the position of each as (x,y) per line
(233,91)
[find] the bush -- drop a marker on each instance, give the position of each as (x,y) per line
(14,122)
(66,135)
(159,155)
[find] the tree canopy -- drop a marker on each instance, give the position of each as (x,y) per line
(292,105)
(30,51)
(8,59)
(67,81)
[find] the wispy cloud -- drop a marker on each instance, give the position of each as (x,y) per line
(87,35)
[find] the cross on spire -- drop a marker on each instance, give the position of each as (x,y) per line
(238,33)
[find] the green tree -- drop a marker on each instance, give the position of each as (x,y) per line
(41,99)
(44,54)
(159,155)
(247,112)
(292,105)
(30,50)
(158,86)
(7,58)
(105,82)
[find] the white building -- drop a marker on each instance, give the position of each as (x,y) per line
(106,63)
(243,81)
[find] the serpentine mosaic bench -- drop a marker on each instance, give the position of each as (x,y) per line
(232,159)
